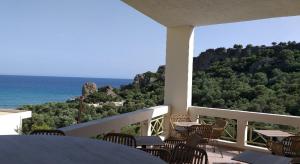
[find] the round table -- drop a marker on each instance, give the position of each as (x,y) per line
(68,150)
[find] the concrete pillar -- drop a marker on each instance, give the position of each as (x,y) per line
(242,130)
(179,68)
(146,128)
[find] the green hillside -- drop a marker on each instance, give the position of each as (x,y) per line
(254,78)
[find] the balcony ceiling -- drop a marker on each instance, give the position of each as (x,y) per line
(172,13)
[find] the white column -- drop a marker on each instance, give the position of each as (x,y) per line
(179,68)
(146,128)
(242,130)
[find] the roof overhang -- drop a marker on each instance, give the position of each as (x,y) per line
(172,13)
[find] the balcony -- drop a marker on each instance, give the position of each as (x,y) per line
(180,19)
(180,23)
(239,135)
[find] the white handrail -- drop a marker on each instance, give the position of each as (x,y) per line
(244,115)
(114,123)
(242,118)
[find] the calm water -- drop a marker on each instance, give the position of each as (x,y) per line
(19,90)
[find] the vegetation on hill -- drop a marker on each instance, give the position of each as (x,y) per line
(255,78)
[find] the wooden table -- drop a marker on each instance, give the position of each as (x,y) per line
(68,150)
(149,141)
(185,124)
(273,133)
(261,158)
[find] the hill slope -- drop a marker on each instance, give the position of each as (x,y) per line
(254,78)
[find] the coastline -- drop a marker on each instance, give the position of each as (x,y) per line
(6,109)
(16,91)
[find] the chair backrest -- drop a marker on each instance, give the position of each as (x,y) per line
(193,140)
(183,153)
(217,133)
(204,131)
(124,139)
(48,132)
(275,147)
(220,123)
(170,143)
(291,146)
(158,152)
(179,118)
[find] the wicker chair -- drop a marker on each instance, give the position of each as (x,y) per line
(204,131)
(163,154)
(124,139)
(194,140)
(187,154)
(289,146)
(48,132)
(179,132)
(220,123)
(170,143)
(218,129)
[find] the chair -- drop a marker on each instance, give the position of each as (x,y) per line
(183,153)
(163,154)
(124,139)
(194,140)
(295,160)
(48,132)
(179,132)
(170,143)
(220,123)
(289,146)
(218,129)
(204,131)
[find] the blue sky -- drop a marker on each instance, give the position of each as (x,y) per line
(107,38)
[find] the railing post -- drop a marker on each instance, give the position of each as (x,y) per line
(242,130)
(146,128)
(166,126)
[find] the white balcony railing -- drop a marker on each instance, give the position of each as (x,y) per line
(242,118)
(152,123)
(151,120)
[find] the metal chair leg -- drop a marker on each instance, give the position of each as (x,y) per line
(221,151)
(214,145)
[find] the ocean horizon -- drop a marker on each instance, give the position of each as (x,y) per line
(18,90)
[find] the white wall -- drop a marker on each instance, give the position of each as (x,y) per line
(10,123)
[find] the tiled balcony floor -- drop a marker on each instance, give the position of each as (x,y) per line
(216,158)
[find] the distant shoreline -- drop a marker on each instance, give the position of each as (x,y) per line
(50,76)
(7,108)
(17,91)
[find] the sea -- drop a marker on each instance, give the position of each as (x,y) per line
(16,91)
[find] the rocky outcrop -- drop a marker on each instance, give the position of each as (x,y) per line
(89,88)
(161,69)
(108,90)
(205,59)
(144,79)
